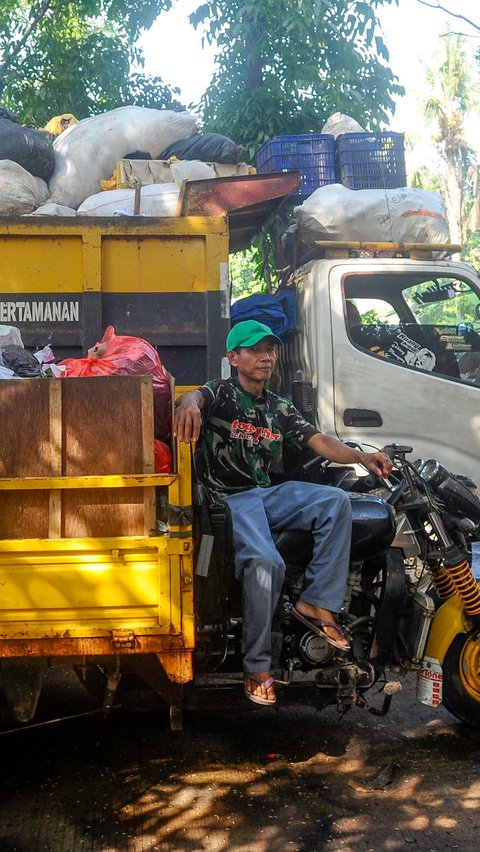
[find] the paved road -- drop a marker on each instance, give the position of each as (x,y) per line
(241,779)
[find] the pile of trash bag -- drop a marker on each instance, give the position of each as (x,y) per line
(32,149)
(122,355)
(76,160)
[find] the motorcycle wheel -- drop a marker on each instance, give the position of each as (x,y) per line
(461,678)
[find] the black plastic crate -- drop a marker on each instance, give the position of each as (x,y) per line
(313,155)
(371,160)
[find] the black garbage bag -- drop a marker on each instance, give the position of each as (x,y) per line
(209,148)
(28,147)
(5,113)
(138,155)
(22,363)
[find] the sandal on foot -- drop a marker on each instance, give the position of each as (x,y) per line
(341,646)
(320,625)
(257,699)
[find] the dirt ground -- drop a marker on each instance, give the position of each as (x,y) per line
(241,779)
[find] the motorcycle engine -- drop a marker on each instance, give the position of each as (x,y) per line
(301,649)
(314,649)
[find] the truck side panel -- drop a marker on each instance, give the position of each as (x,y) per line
(62,282)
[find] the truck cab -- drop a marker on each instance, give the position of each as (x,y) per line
(390,343)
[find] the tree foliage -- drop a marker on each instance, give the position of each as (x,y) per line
(246,277)
(448,11)
(282,68)
(454,93)
(58,56)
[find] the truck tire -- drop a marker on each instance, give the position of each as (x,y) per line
(461,678)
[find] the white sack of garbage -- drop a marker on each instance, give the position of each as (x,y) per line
(87,152)
(190,170)
(20,192)
(10,335)
(52,209)
(157,199)
(339,123)
(404,215)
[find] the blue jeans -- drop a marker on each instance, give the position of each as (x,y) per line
(292,505)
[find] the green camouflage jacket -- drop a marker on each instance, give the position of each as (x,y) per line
(242,434)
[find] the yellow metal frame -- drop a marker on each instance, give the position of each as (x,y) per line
(32,483)
(127,594)
(67,257)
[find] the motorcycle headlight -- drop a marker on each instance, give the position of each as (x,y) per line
(459,500)
(434,473)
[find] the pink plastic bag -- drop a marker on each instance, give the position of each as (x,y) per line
(119,355)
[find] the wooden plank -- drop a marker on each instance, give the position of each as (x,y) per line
(55,496)
(25,451)
(107,429)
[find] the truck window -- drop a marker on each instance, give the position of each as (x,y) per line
(450,308)
(431,325)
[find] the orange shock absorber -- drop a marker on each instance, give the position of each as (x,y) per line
(465,585)
(443,583)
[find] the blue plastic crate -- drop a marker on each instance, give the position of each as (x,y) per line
(313,155)
(371,160)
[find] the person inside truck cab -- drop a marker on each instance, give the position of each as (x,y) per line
(407,343)
(240,427)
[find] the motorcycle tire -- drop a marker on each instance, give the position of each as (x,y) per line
(461,678)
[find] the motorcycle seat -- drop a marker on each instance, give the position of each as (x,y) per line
(373,530)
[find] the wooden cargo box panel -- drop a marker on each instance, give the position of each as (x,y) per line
(25,450)
(76,427)
(107,428)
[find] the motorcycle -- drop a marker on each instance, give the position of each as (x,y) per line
(412,601)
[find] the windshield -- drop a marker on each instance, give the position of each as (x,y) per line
(445,301)
(431,324)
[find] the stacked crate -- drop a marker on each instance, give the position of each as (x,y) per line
(313,155)
(357,160)
(371,160)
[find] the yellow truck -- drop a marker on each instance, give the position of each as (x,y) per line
(115,569)
(86,575)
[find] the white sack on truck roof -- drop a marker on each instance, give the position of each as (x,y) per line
(404,215)
(338,123)
(87,153)
(157,199)
(20,192)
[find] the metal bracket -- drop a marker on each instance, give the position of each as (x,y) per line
(112,684)
(124,640)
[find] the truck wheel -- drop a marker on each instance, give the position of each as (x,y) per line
(461,678)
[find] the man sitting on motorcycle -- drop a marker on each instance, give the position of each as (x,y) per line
(240,427)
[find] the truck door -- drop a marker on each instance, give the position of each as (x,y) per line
(406,359)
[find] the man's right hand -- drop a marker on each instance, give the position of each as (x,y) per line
(188,416)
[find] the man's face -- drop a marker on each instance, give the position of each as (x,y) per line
(255,363)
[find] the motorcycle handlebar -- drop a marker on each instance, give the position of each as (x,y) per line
(395,451)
